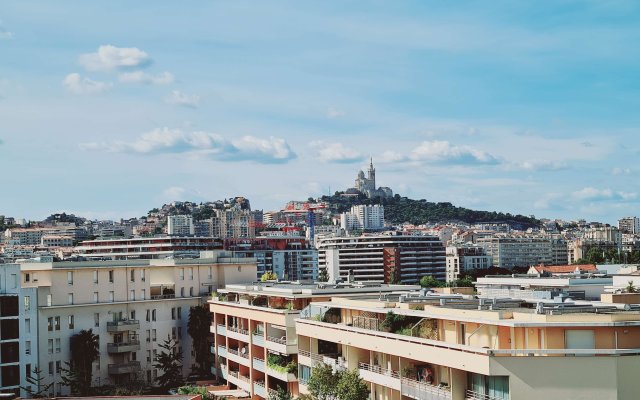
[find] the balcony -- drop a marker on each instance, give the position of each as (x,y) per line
(123,347)
(239,380)
(312,359)
(260,390)
(471,395)
(258,364)
(123,325)
(222,351)
(258,339)
(124,368)
(281,374)
(221,329)
(281,345)
(424,391)
(238,333)
(379,376)
(239,357)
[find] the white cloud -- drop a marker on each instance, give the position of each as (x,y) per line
(212,145)
(622,171)
(335,152)
(178,98)
(391,156)
(79,85)
(4,33)
(594,194)
(333,113)
(163,78)
(538,165)
(109,58)
(442,151)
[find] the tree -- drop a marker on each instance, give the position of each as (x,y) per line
(323,276)
(78,373)
(630,287)
(352,387)
(429,281)
(269,276)
(323,382)
(37,389)
(169,362)
(281,394)
(198,328)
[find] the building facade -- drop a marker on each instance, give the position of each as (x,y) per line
(464,259)
(524,251)
(629,225)
(180,225)
(363,217)
(382,258)
(147,247)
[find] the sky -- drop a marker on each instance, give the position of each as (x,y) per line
(108,109)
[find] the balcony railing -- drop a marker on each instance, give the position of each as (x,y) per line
(259,364)
(238,330)
(123,325)
(379,370)
(123,347)
(322,358)
(124,368)
(238,353)
(471,395)
(423,390)
(277,340)
(258,339)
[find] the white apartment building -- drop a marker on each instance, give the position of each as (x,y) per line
(132,305)
(463,259)
(603,234)
(56,241)
(180,225)
(524,251)
(363,217)
(629,225)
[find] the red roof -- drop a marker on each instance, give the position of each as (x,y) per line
(565,269)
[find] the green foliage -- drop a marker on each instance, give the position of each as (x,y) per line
(269,276)
(323,276)
(281,394)
(393,322)
(201,390)
(169,362)
(400,209)
(198,328)
(37,389)
(429,281)
(630,288)
(78,373)
(351,386)
(323,382)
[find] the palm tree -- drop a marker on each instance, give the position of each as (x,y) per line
(84,351)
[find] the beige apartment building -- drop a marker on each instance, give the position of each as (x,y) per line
(254,325)
(133,305)
(458,347)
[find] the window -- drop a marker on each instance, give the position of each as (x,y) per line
(148,315)
(191,291)
(132,294)
(148,356)
(27,347)
(153,315)
(495,387)
(57,345)
(34,277)
(50,367)
(50,324)
(155,355)
(70,277)
(50,346)
(133,275)
(110,276)
(95,276)
(49,300)
(132,314)
(190,274)
(143,293)
(96,320)
(111,296)
(210,273)
(181,292)
(173,313)
(27,370)
(27,277)
(56,323)
(71,319)
(70,298)
(27,326)
(27,303)
(179,312)
(142,273)
(179,332)
(148,335)
(134,356)
(153,337)
(181,274)
(58,367)
(96,297)
(173,333)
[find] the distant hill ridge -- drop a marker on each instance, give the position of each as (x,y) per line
(398,209)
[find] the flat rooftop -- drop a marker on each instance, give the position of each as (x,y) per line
(310,289)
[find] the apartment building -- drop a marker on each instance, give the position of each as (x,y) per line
(523,251)
(460,348)
(255,331)
(147,247)
(382,258)
(132,305)
(180,225)
(629,225)
(18,327)
(363,217)
(463,259)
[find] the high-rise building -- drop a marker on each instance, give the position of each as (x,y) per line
(524,251)
(629,225)
(463,259)
(180,225)
(382,258)
(363,217)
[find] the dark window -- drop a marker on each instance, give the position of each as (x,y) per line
(9,306)
(9,352)
(9,329)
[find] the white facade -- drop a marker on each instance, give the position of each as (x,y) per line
(525,251)
(629,225)
(464,259)
(133,306)
(180,225)
(363,217)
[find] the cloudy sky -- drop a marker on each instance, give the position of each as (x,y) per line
(110,109)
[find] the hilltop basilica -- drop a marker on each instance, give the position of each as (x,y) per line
(367,185)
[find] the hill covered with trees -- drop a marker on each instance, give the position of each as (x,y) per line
(398,209)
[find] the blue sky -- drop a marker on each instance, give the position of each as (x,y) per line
(110,109)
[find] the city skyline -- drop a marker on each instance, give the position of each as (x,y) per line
(111,110)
